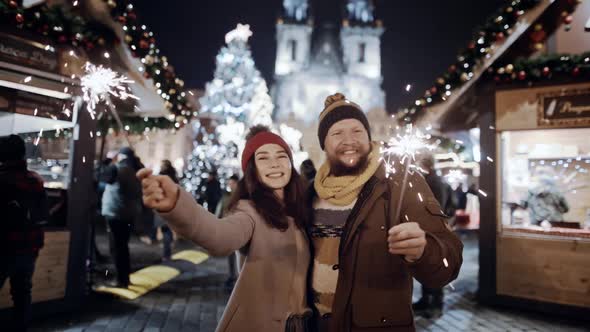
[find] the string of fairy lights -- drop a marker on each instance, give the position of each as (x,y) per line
(65,25)
(485,42)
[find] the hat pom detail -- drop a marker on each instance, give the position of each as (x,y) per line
(334,98)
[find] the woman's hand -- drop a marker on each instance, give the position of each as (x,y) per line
(159,191)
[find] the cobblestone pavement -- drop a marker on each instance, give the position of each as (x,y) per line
(195,300)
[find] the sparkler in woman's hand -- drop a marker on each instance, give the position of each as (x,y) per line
(99,84)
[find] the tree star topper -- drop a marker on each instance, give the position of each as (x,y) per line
(241,32)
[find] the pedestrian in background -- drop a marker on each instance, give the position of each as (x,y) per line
(121,206)
(23,203)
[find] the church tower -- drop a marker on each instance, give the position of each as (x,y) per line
(293,38)
(360,36)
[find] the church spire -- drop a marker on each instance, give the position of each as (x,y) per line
(295,10)
(360,11)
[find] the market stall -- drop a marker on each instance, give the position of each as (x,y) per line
(37,95)
(523,85)
(543,194)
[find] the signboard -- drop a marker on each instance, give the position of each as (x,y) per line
(568,108)
(26,103)
(28,53)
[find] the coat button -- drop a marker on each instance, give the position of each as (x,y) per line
(335,267)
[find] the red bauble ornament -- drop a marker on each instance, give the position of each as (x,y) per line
(500,36)
(471,45)
(132,15)
(13,4)
(122,19)
(538,36)
(568,19)
(522,75)
(89,45)
(19,18)
(546,71)
(452,68)
(143,44)
(576,71)
(433,90)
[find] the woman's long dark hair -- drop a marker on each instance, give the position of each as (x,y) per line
(267,204)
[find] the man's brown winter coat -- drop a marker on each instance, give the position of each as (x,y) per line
(374,291)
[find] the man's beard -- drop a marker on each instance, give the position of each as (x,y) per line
(338,168)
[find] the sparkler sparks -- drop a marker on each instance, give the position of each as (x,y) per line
(100,83)
(38,137)
(483,193)
(404,148)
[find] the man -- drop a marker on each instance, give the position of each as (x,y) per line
(121,206)
(544,199)
(232,260)
(212,193)
(23,203)
(364,260)
(430,304)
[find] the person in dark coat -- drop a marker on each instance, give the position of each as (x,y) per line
(121,206)
(307,169)
(213,192)
(24,206)
(430,304)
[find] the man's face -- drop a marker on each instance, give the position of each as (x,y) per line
(347,147)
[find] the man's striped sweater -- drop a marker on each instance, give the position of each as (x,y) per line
(326,231)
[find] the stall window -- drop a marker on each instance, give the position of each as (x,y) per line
(293,49)
(545,182)
(362,49)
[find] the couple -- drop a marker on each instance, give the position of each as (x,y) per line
(343,266)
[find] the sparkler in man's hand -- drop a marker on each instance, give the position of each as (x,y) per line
(402,149)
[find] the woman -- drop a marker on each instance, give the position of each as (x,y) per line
(267,224)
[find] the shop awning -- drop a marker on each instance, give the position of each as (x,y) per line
(434,115)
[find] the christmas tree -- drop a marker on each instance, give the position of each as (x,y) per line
(235,99)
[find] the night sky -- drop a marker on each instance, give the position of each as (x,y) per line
(421,40)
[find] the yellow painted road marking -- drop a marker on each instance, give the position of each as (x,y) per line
(193,256)
(142,281)
(151,277)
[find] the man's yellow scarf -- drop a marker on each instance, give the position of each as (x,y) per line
(343,190)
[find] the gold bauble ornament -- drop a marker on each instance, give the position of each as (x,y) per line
(509,69)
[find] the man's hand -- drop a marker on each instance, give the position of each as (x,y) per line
(159,191)
(407,239)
